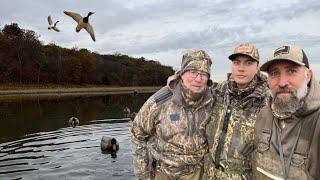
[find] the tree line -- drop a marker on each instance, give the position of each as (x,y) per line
(25,59)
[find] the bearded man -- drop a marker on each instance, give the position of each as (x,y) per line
(287,130)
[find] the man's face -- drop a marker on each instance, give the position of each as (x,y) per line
(243,70)
(288,82)
(195,80)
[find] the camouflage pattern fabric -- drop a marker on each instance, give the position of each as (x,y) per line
(196,175)
(190,98)
(196,60)
(168,136)
(238,144)
(246,49)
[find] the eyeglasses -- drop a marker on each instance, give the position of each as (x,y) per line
(194,74)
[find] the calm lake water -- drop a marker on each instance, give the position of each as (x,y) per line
(36,141)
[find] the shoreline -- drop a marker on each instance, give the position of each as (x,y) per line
(78,91)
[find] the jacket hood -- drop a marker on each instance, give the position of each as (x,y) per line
(173,80)
(262,84)
(311,102)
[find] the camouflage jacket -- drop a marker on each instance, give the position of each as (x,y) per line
(169,137)
(230,131)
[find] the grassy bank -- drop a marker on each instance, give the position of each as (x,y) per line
(17,90)
(18,86)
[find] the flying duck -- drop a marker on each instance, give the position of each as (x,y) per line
(51,25)
(83,22)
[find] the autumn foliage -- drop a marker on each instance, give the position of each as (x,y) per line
(24,59)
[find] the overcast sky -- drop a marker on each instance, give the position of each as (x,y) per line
(163,30)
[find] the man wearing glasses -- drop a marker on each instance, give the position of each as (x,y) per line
(230,131)
(168,133)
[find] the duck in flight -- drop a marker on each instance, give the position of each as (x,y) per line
(51,25)
(83,22)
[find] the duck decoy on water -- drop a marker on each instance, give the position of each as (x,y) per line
(73,122)
(126,112)
(51,25)
(83,22)
(109,144)
(135,92)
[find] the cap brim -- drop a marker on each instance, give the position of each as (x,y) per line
(233,56)
(265,67)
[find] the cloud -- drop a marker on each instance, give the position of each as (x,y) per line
(163,30)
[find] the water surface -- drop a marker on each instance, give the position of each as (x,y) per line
(37,143)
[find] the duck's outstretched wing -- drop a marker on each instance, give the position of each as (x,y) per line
(56,23)
(49,20)
(89,29)
(56,29)
(77,17)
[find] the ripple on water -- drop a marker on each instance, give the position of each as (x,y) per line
(68,153)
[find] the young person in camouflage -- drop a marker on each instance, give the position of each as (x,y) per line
(168,133)
(287,131)
(230,131)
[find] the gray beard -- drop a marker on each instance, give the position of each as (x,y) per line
(287,106)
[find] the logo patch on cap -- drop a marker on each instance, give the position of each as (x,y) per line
(282,50)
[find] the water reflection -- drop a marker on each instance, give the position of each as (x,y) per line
(27,116)
(36,142)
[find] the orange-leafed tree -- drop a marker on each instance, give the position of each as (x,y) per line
(88,66)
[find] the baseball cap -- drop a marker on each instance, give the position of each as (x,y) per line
(245,49)
(286,52)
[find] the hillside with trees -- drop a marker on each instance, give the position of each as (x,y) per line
(24,59)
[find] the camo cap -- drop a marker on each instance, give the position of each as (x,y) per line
(245,49)
(196,60)
(286,52)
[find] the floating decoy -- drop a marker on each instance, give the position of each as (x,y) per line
(73,122)
(51,25)
(83,22)
(135,92)
(126,112)
(133,115)
(109,144)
